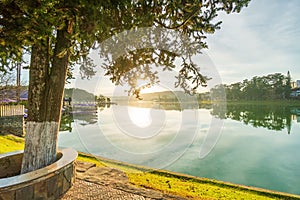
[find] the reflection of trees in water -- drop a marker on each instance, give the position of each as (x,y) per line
(83,114)
(103,105)
(66,122)
(267,116)
(177,106)
(86,118)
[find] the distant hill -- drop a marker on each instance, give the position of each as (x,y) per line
(79,95)
(165,96)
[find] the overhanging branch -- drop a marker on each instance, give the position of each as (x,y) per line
(192,14)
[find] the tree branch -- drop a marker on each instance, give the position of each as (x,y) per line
(179,25)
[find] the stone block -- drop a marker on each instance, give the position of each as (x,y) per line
(45,183)
(8,195)
(83,166)
(54,186)
(25,193)
(40,190)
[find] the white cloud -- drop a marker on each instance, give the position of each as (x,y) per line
(262,39)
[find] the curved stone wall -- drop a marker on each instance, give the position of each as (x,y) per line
(46,183)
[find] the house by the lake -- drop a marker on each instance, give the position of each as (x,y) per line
(295,89)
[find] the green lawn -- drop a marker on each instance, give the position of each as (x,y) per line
(178,184)
(10,143)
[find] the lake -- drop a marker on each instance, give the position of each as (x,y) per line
(254,145)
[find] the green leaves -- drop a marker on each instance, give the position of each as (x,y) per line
(24,23)
(190,78)
(270,87)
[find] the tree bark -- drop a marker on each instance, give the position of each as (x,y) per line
(45,96)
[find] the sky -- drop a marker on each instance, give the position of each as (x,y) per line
(262,39)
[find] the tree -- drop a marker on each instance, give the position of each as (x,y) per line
(7,79)
(60,34)
(101,99)
(269,87)
(288,87)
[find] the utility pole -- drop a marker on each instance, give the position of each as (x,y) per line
(18,81)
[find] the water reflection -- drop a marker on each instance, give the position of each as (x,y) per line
(66,122)
(272,117)
(84,114)
(176,106)
(267,116)
(243,155)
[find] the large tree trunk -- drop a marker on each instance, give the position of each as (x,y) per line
(45,95)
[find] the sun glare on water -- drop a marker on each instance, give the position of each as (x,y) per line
(141,117)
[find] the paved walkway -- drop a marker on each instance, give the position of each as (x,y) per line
(107,183)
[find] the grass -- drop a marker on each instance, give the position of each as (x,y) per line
(10,143)
(191,188)
(167,182)
(90,159)
(188,186)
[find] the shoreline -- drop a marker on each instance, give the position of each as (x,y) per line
(286,102)
(165,181)
(186,177)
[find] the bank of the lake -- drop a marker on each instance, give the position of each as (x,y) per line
(165,181)
(292,102)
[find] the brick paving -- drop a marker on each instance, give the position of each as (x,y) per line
(103,183)
(84,190)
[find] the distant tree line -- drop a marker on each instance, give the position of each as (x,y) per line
(80,95)
(270,87)
(102,100)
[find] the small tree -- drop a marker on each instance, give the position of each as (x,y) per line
(288,87)
(7,79)
(60,34)
(101,99)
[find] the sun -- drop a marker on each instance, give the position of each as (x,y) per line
(141,117)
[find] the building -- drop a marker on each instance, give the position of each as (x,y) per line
(295,92)
(293,84)
(298,83)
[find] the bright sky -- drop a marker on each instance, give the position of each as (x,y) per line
(262,39)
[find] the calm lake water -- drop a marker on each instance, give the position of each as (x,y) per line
(244,144)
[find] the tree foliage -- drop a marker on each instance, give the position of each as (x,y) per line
(25,23)
(270,87)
